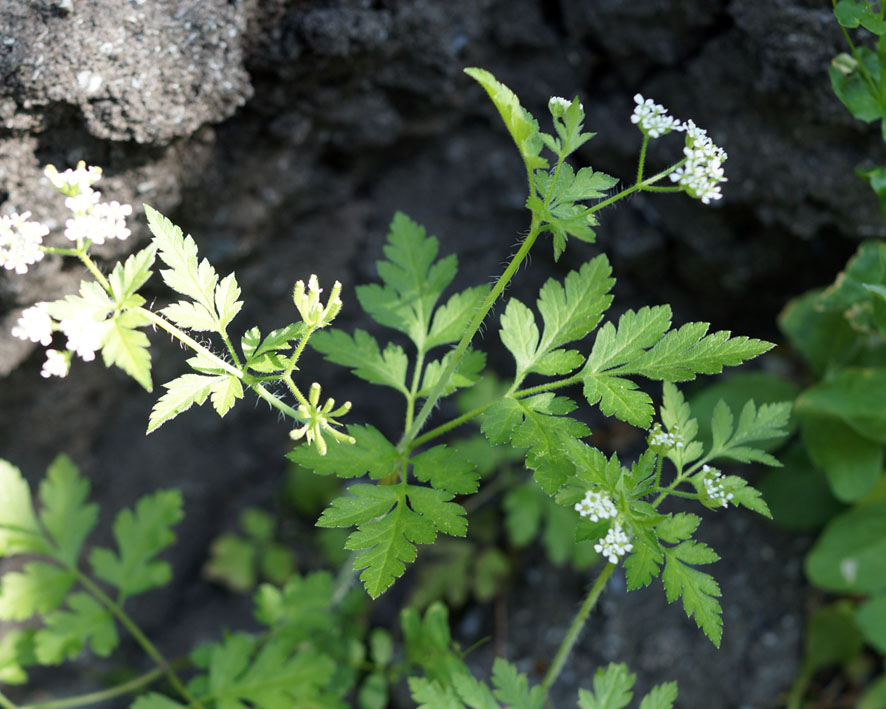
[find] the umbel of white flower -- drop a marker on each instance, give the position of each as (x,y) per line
(664,441)
(596,506)
(713,486)
(20,242)
(701,173)
(615,544)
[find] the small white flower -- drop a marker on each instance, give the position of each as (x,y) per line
(100,222)
(73,182)
(615,544)
(20,242)
(713,486)
(653,118)
(666,440)
(85,335)
(57,364)
(83,202)
(34,324)
(596,505)
(701,174)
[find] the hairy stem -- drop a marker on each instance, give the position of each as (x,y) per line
(93,269)
(577,624)
(465,341)
(282,407)
(183,337)
(449,425)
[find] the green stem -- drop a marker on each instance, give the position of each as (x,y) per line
(462,346)
(117,611)
(231,349)
(548,386)
(93,269)
(798,690)
(7,703)
(644,185)
(275,402)
(642,162)
(577,624)
(449,425)
(677,493)
(63,252)
(94,697)
(181,336)
(413,390)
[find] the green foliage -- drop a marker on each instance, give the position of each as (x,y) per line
(613,689)
(239,561)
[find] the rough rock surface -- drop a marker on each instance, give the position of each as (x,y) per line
(284,133)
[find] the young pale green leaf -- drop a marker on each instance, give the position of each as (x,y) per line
(128,277)
(19,531)
(91,302)
(447,469)
(452,318)
(361,353)
(191,316)
(612,688)
(466,374)
(187,274)
(512,687)
(226,304)
(540,424)
(224,392)
(370,453)
(38,588)
(140,536)
(181,393)
(413,281)
(519,122)
(661,696)
(583,185)
(698,590)
(128,348)
(276,340)
(65,514)
(67,632)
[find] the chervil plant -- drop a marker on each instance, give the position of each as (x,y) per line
(406,490)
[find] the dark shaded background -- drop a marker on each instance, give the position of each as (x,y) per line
(283,135)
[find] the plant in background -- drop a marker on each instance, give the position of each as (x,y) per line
(315,648)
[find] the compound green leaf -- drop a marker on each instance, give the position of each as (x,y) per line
(474,693)
(430,695)
(16,652)
(364,503)
(677,527)
(512,687)
(19,531)
(661,696)
(413,281)
(191,315)
(67,632)
(572,310)
(613,688)
(636,331)
(519,334)
(447,469)
(140,536)
(434,505)
(698,590)
(65,514)
(765,423)
(371,453)
(226,304)
(361,353)
(387,545)
(38,588)
(619,397)
(128,348)
(644,563)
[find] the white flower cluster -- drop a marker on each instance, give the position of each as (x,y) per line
(57,364)
(614,545)
(34,324)
(596,505)
(20,242)
(93,220)
(668,440)
(702,173)
(653,118)
(713,486)
(700,176)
